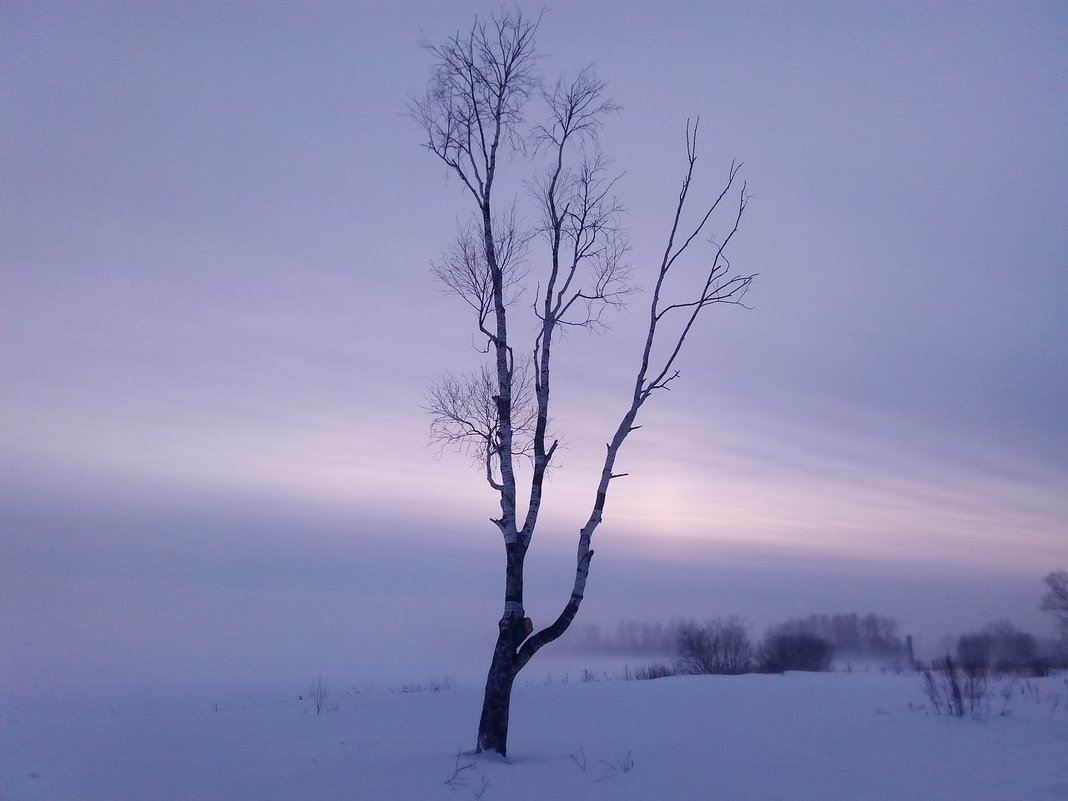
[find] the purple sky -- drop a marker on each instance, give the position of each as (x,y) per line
(217,323)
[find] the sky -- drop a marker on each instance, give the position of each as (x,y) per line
(218,323)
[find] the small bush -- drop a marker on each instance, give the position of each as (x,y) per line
(462,764)
(953,692)
(432,686)
(647,672)
(319,692)
(783,651)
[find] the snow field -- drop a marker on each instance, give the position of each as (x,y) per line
(836,736)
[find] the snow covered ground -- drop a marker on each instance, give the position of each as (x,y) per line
(856,736)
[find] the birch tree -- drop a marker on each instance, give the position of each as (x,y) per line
(486,98)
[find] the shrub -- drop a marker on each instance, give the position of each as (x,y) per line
(319,693)
(784,651)
(952,693)
(719,646)
(657,670)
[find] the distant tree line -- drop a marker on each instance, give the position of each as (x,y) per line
(868,636)
(1001,648)
(848,634)
(725,645)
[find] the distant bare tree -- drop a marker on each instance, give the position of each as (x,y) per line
(1056,600)
(482,88)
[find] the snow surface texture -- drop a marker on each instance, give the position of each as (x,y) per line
(826,737)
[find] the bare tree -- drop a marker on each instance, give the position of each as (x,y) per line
(483,86)
(1056,600)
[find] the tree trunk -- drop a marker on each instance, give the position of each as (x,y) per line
(493,726)
(513,629)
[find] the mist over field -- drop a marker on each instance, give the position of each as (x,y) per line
(277,594)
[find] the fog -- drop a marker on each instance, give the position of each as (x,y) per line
(231,593)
